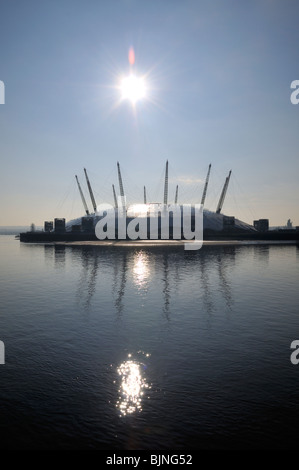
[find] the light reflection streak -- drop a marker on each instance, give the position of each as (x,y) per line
(132,387)
(141,270)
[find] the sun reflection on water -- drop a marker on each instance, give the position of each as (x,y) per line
(141,270)
(132,387)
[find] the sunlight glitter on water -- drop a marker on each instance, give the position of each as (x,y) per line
(141,269)
(131,388)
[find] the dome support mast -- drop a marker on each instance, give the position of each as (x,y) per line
(221,200)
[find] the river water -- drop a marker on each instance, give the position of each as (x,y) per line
(148,348)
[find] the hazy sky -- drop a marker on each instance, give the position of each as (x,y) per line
(218,79)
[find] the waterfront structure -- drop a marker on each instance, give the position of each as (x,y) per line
(216,225)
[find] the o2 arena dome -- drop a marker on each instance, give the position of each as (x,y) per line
(212,221)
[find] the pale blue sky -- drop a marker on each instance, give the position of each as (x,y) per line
(218,73)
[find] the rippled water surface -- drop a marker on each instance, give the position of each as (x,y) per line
(148,348)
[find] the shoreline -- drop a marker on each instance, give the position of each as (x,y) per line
(162,243)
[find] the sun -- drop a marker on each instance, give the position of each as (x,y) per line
(133,88)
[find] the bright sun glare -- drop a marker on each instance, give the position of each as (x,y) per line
(133,88)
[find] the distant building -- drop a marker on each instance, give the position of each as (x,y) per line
(48,226)
(261,225)
(289,225)
(59,225)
